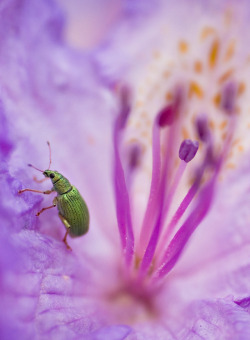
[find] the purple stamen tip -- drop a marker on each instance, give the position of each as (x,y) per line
(125,105)
(202,129)
(228,97)
(134,156)
(188,150)
(166,116)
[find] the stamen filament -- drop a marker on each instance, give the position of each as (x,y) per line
(174,187)
(179,213)
(147,225)
(149,253)
(180,239)
(181,208)
(161,190)
(122,201)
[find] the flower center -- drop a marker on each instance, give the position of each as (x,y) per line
(131,305)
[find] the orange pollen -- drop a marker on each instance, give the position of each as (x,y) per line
(241,88)
(207,31)
(195,89)
(217,99)
(169,96)
(183,46)
(211,124)
(184,133)
(225,76)
(213,53)
(230,50)
(198,66)
(223,125)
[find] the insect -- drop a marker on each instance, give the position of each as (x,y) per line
(72,209)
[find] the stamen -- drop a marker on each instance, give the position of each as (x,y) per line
(149,217)
(180,239)
(134,156)
(149,253)
(180,212)
(202,128)
(166,116)
(188,150)
(150,250)
(153,222)
(121,192)
(228,98)
(125,100)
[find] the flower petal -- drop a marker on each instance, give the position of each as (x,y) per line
(51,92)
(118,332)
(216,262)
(55,295)
(219,319)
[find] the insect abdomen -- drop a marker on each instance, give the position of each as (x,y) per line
(73,208)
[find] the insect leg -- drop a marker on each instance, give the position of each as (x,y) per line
(43,209)
(52,206)
(65,240)
(47,192)
(67,225)
(40,180)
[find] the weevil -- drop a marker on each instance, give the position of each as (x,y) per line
(72,209)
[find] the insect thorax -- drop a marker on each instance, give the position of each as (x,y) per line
(62,185)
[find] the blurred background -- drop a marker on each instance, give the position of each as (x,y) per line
(89,21)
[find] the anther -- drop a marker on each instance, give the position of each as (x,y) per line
(134,156)
(166,116)
(228,97)
(188,150)
(125,105)
(202,129)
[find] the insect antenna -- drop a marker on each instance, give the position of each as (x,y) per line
(32,166)
(49,155)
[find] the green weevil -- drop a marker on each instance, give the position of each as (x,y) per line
(72,208)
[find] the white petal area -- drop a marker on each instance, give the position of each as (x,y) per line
(88,22)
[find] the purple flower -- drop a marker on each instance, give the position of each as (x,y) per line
(150,123)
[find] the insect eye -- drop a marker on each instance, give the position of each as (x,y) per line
(52,175)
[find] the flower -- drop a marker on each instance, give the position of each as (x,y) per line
(167,254)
